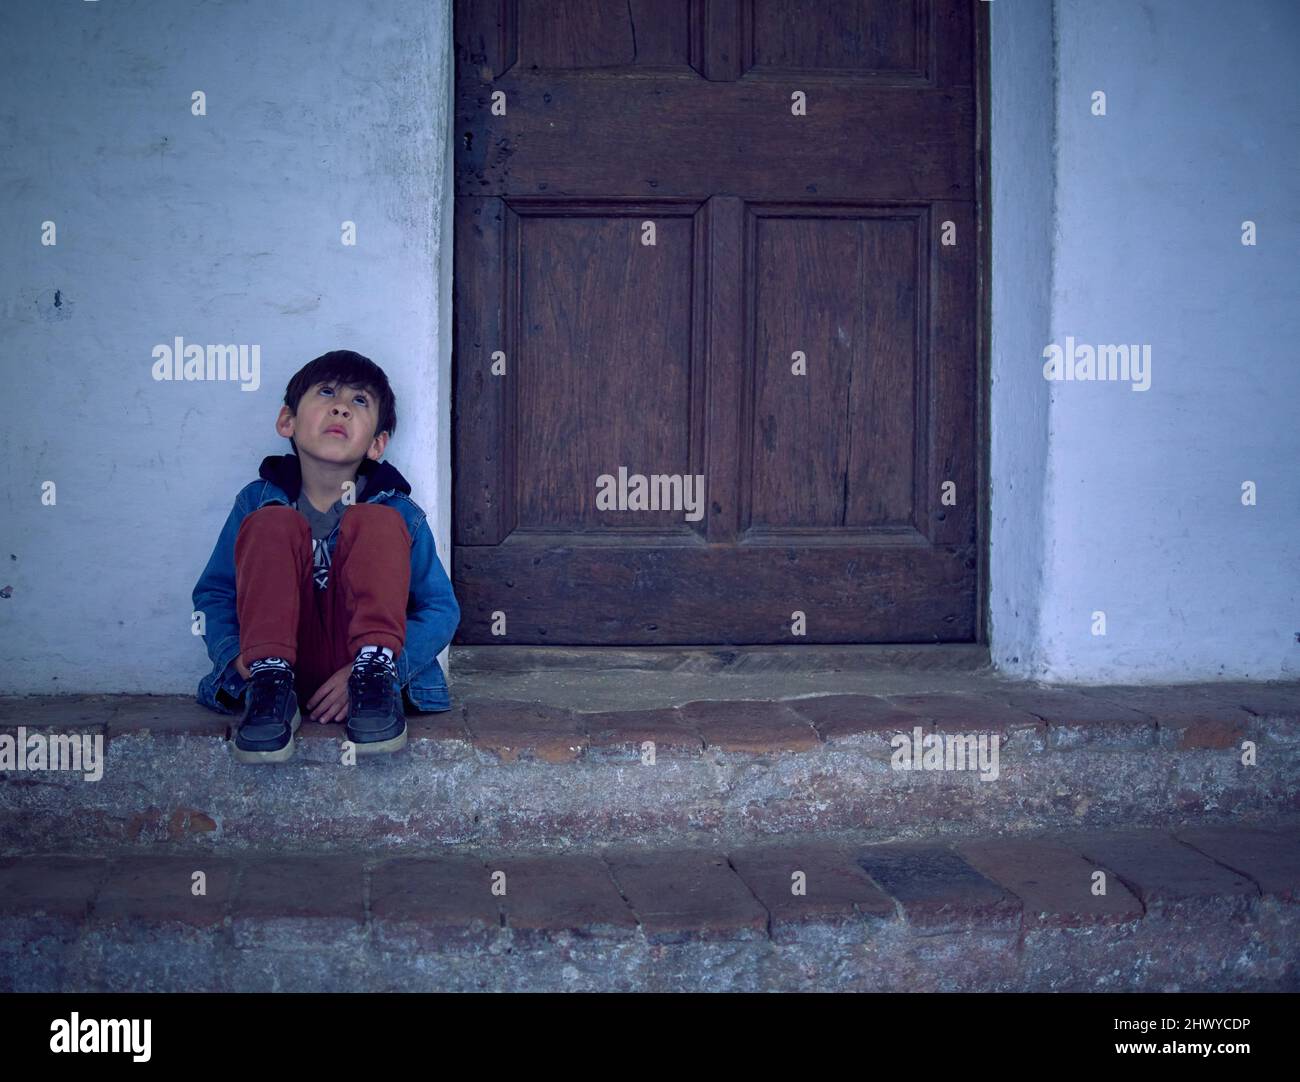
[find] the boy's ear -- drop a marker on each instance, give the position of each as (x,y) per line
(284,423)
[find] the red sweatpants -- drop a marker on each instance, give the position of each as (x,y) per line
(282,614)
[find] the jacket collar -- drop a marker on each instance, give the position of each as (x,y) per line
(285,471)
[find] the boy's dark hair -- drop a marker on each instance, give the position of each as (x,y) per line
(343,366)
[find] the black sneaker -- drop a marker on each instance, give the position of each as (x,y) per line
(270,718)
(375,719)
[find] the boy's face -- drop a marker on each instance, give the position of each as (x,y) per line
(327,407)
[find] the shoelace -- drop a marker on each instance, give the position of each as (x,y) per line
(373,677)
(269,690)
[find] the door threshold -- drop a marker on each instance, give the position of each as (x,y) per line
(901,657)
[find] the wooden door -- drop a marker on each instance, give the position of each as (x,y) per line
(733,240)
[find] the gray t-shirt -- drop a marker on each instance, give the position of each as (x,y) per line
(322,525)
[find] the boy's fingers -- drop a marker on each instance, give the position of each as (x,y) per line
(330,700)
(329,692)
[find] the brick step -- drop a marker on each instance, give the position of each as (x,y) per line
(509,773)
(1201,908)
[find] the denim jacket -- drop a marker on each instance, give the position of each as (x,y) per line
(431,611)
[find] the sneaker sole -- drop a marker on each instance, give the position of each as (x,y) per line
(279,755)
(380,747)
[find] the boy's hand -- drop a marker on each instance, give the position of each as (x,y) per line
(242,669)
(330,702)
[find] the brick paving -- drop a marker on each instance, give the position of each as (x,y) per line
(432,902)
(902,907)
(1056,884)
(656,899)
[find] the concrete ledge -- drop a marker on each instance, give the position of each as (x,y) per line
(801,914)
(500,772)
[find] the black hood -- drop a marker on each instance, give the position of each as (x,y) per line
(286,472)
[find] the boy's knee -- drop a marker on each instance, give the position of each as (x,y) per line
(371,513)
(277,521)
(274,517)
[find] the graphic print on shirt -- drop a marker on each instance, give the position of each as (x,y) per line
(324,524)
(320,561)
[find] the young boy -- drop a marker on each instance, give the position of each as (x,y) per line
(324,587)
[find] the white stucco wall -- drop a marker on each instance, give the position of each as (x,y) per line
(1143,518)
(1129,503)
(222,228)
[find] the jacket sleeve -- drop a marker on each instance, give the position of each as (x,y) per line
(214,593)
(433,612)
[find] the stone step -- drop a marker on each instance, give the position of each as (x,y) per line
(1200,908)
(495,772)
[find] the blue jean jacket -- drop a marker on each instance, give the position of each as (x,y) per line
(432,612)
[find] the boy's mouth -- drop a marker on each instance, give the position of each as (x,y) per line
(337,429)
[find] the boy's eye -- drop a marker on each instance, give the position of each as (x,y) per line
(356,397)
